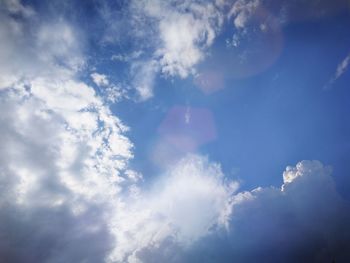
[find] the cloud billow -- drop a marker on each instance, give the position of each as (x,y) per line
(62,155)
(304,221)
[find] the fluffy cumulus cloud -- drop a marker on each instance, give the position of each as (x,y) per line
(303,221)
(61,162)
(31,47)
(63,155)
(182,206)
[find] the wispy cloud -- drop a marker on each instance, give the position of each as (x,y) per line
(176,40)
(341,69)
(242,11)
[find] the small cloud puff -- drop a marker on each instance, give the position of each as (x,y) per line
(99,79)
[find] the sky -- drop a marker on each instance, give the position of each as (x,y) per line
(150,131)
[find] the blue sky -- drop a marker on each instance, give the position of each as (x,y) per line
(174,131)
(273,118)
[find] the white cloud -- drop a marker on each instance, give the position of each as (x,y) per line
(63,154)
(304,220)
(305,168)
(185,36)
(342,67)
(31,47)
(58,41)
(99,79)
(183,204)
(242,11)
(110,92)
(127,57)
(144,73)
(179,36)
